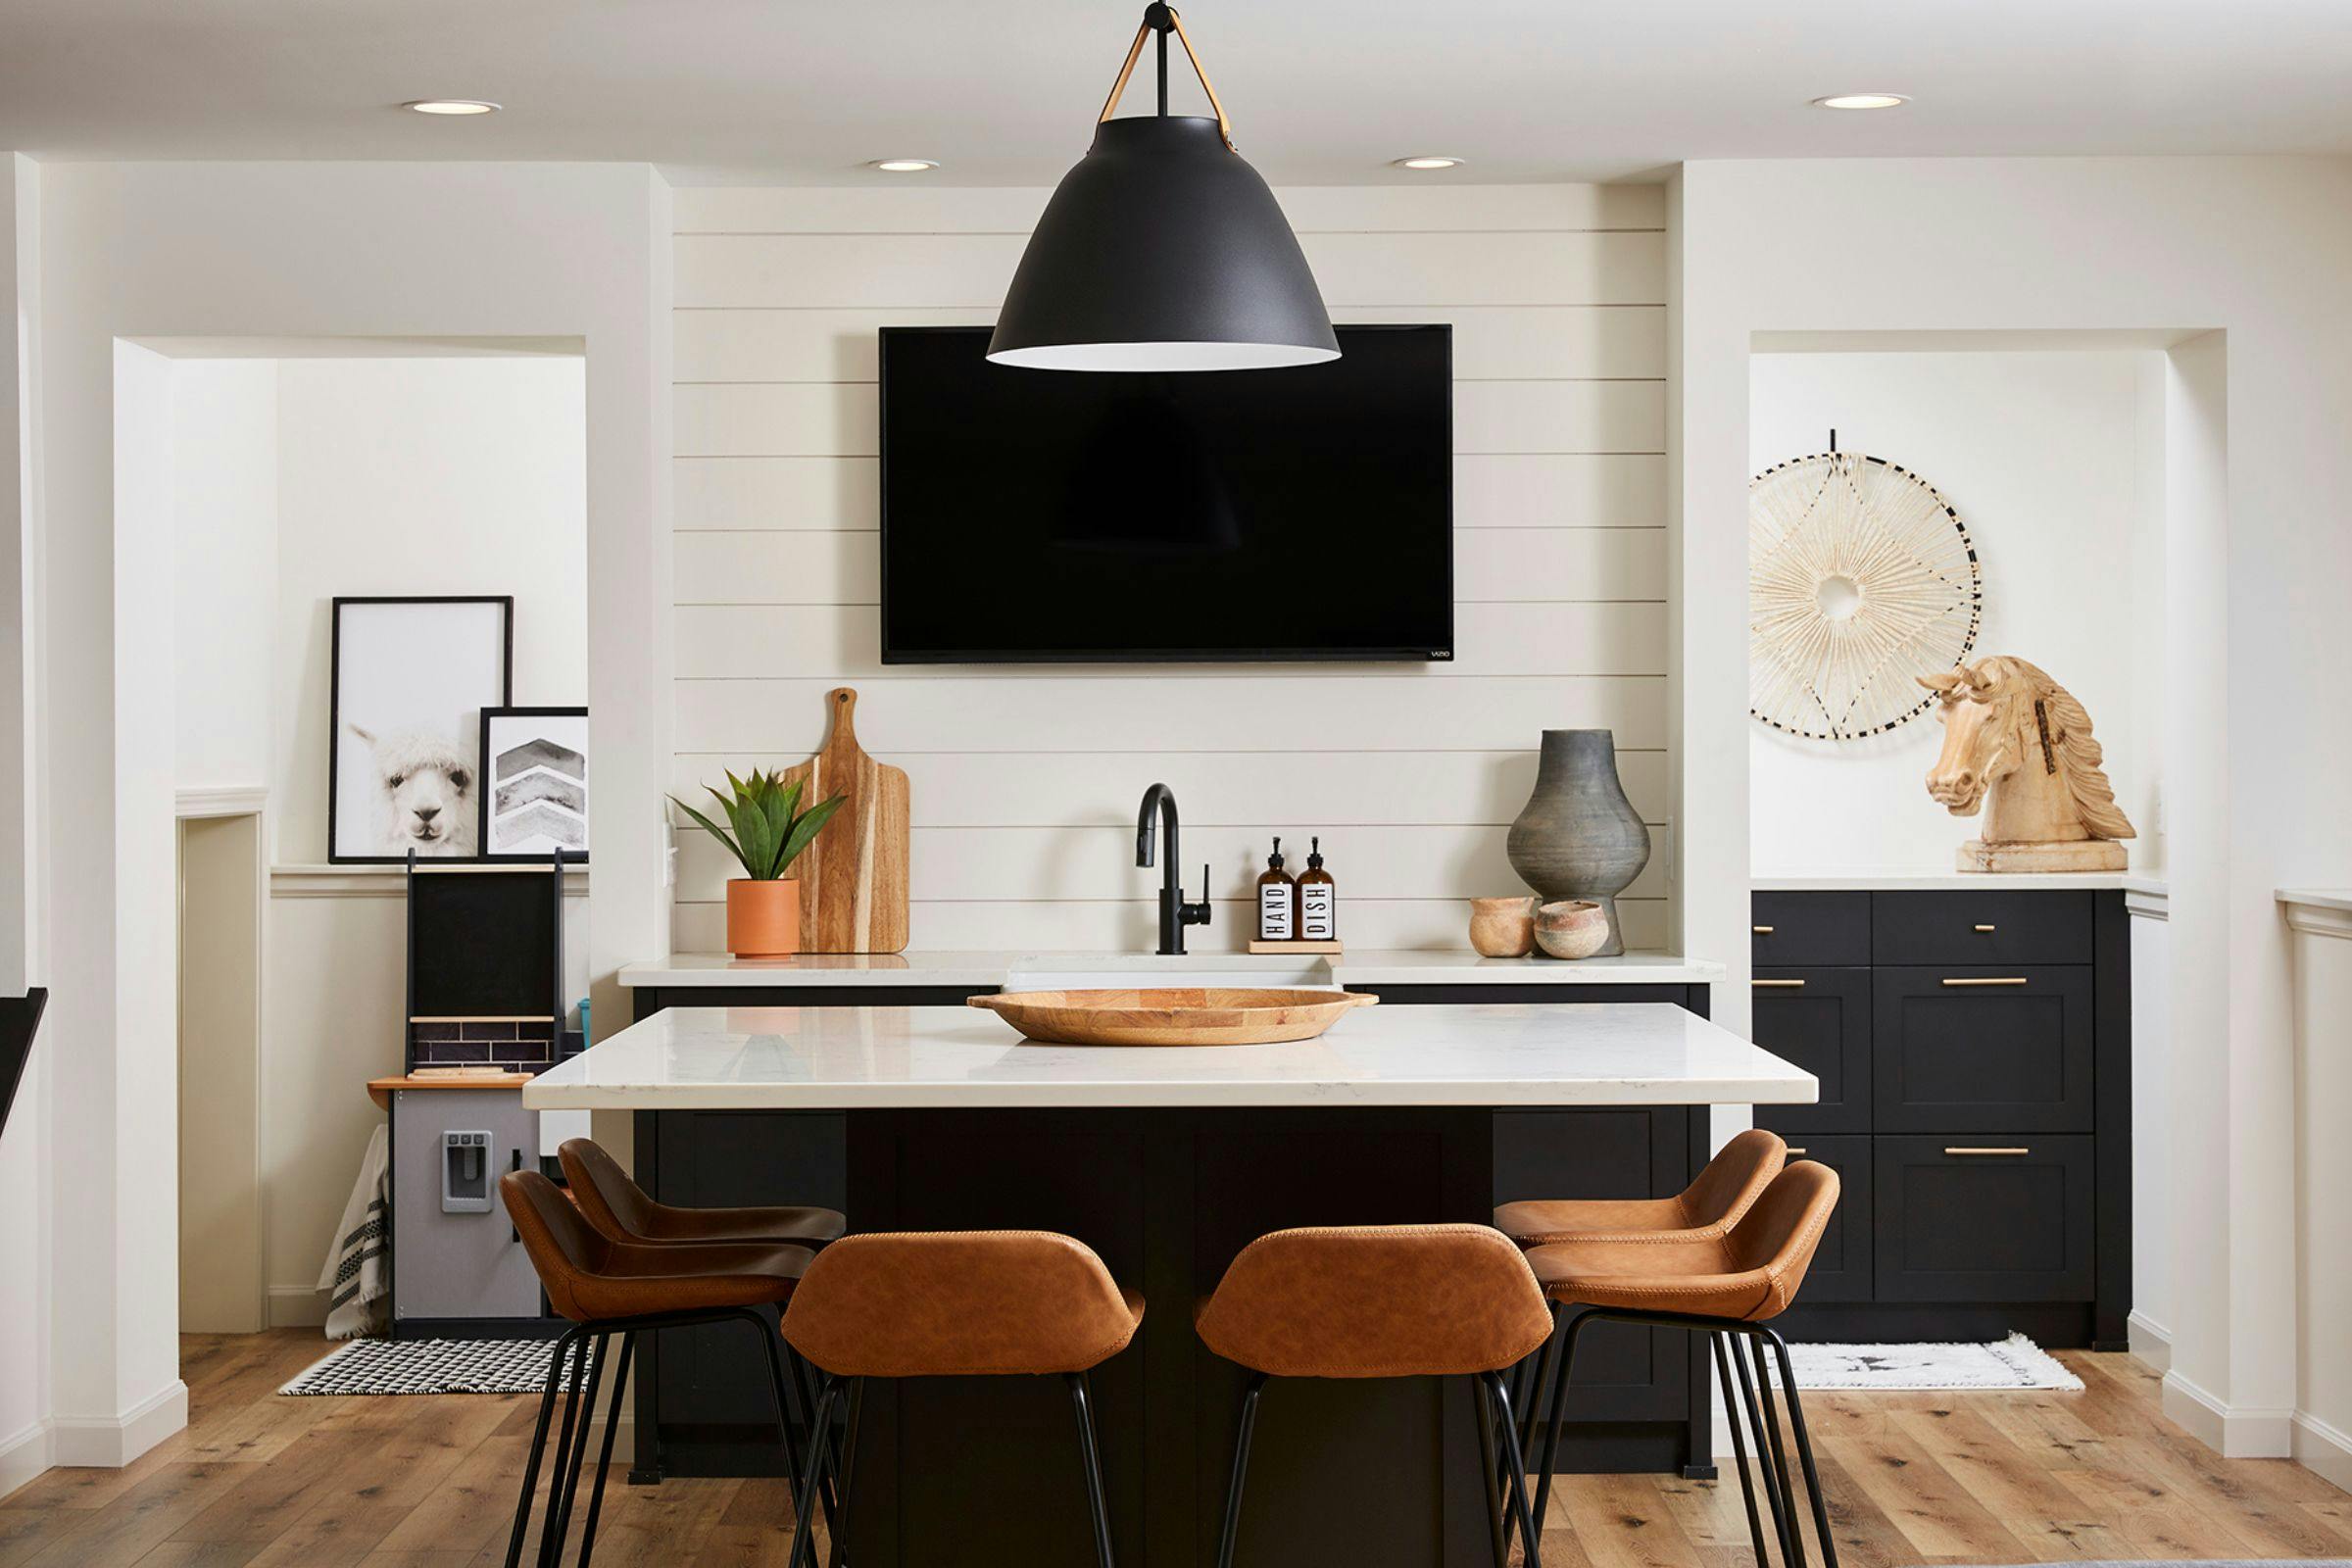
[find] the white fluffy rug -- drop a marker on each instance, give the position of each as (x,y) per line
(2015,1362)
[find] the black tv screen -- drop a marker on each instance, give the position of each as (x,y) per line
(1058,515)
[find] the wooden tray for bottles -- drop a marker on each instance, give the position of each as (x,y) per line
(1173,1016)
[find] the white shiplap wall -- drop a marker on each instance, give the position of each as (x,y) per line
(1025,781)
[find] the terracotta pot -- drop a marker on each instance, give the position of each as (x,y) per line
(1504,928)
(764,918)
(1572,928)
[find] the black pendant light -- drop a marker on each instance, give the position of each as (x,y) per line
(1162,251)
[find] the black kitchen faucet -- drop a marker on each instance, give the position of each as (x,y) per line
(1174,913)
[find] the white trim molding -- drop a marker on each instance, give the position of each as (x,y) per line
(383,881)
(25,1455)
(2150,902)
(2233,1434)
(222,799)
(2150,1341)
(2318,911)
(297,1306)
(2323,1449)
(111,1442)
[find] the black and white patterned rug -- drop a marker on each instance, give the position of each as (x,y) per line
(431,1366)
(2015,1362)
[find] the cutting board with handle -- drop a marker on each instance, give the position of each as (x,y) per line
(854,874)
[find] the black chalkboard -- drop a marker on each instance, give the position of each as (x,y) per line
(483,944)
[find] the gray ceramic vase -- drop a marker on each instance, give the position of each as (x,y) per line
(1579,837)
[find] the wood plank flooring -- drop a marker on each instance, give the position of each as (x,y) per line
(429,1483)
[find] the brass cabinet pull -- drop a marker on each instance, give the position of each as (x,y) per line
(1793,1149)
(1781,983)
(1761,930)
(2005,980)
(1984,928)
(1989,1151)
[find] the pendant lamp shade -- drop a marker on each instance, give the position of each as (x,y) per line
(1162,251)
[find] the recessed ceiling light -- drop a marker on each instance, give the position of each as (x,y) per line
(904,166)
(1429,161)
(452,106)
(1862,100)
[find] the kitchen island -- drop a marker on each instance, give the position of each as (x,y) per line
(1167,1161)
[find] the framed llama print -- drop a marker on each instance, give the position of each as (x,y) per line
(534,795)
(409,683)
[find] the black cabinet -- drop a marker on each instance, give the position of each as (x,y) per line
(1990,926)
(1819,1020)
(1811,929)
(1963,1048)
(1842,1263)
(1984,1221)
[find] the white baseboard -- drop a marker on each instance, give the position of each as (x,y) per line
(2151,1341)
(2325,1451)
(297,1306)
(2233,1434)
(111,1442)
(25,1455)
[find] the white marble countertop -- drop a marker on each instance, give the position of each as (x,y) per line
(1397,966)
(1920,881)
(1581,1053)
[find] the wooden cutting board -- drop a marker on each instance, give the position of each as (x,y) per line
(854,874)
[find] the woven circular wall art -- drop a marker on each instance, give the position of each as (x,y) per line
(1860,579)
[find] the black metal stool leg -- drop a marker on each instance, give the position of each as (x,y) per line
(804,1378)
(1514,1463)
(1092,1459)
(1492,1472)
(769,1342)
(1529,1401)
(530,1472)
(804,1502)
(1804,1449)
(849,1475)
(1793,1531)
(1559,1416)
(567,1479)
(604,1460)
(1241,1469)
(1766,1476)
(1739,1426)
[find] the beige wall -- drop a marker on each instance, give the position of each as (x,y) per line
(1025,780)
(2322,1420)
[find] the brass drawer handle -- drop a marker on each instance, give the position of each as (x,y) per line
(2005,980)
(1984,928)
(1989,1151)
(1761,930)
(1793,1149)
(1776,983)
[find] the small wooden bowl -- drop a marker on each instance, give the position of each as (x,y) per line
(1504,928)
(1572,928)
(1190,1017)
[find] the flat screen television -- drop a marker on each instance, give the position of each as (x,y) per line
(1041,516)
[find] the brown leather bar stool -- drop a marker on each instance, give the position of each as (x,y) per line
(1726,1287)
(623,1210)
(604,1288)
(953,1304)
(1384,1301)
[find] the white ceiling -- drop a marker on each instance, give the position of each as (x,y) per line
(1321,91)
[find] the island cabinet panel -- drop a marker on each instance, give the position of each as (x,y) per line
(1975,1055)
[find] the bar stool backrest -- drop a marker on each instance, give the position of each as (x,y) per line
(1377,1301)
(608,1198)
(957,1303)
(561,1243)
(1720,1194)
(1778,1236)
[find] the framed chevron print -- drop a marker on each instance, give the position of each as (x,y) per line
(534,795)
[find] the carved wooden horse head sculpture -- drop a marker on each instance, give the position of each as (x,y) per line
(2017,742)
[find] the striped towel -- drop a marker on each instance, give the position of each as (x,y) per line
(355,1278)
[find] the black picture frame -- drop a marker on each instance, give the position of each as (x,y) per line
(484,797)
(335,700)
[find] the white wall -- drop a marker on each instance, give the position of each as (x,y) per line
(2250,253)
(240,250)
(1025,780)
(2044,456)
(2323,967)
(224,465)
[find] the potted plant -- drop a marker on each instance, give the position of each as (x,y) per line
(763,905)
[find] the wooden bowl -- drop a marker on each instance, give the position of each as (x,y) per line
(1192,1016)
(1504,928)
(1572,928)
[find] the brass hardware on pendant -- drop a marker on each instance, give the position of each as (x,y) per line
(1134,52)
(2005,980)
(1790,984)
(1984,928)
(1761,930)
(1989,1151)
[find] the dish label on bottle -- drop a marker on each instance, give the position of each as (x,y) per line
(1315,923)
(1274,912)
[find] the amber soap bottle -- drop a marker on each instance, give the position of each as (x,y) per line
(1318,898)
(1277,901)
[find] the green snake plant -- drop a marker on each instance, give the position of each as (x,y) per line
(770,829)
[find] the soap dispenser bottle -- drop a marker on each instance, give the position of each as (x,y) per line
(1277,901)
(1318,898)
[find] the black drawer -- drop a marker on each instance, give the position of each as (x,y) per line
(1840,1270)
(1981,1220)
(1987,926)
(1809,928)
(1819,1020)
(1969,1048)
